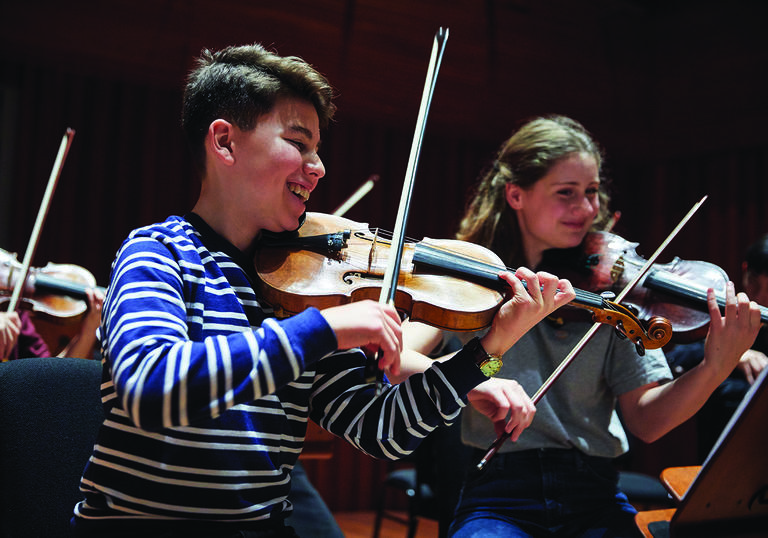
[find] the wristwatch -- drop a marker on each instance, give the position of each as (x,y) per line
(489,364)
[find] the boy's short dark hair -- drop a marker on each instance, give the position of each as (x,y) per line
(239,84)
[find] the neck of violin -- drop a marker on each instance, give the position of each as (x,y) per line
(483,273)
(696,295)
(50,285)
(458,265)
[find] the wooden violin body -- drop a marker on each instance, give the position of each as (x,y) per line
(55,290)
(295,277)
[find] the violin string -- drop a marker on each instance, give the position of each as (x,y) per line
(450,256)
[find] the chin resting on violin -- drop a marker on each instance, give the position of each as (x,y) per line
(545,193)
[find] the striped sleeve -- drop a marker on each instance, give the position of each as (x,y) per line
(392,424)
(176,360)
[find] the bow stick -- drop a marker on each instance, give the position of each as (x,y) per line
(392,272)
(58,164)
(588,336)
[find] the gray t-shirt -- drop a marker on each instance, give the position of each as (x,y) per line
(579,409)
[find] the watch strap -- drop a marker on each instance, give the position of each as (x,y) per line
(489,364)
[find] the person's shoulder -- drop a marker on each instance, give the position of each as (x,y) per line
(173,236)
(173,226)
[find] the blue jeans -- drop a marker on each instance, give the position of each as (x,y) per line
(543,493)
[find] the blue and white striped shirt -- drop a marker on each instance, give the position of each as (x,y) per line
(207,397)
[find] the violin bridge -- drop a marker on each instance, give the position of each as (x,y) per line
(372,250)
(617,269)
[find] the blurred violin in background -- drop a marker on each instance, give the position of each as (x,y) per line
(57,291)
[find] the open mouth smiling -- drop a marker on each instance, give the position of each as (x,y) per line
(299,191)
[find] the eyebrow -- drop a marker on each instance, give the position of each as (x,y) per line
(576,181)
(572,182)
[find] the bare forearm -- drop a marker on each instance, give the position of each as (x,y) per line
(413,362)
(418,340)
(661,408)
(80,347)
(652,412)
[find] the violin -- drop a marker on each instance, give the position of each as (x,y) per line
(56,290)
(676,291)
(449,284)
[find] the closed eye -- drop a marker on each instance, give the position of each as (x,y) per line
(301,146)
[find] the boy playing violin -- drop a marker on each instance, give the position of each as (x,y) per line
(206,395)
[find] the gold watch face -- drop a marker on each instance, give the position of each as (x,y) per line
(491,366)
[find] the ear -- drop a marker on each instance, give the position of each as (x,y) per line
(514,195)
(220,141)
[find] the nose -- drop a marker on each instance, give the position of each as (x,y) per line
(314,166)
(585,204)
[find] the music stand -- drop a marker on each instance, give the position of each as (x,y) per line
(729,496)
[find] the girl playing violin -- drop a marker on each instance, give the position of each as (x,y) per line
(543,195)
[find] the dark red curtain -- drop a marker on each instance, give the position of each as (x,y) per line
(128,167)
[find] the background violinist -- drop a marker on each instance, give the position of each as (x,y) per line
(20,340)
(543,194)
(717,411)
(755,282)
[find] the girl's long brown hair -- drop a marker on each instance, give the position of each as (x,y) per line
(524,159)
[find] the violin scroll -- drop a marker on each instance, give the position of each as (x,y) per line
(651,334)
(660,329)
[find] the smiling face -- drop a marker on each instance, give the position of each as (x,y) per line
(278,164)
(558,210)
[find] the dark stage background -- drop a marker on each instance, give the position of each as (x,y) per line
(675,90)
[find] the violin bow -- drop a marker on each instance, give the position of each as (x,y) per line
(58,164)
(392,272)
(356,196)
(501,439)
